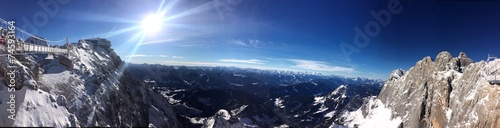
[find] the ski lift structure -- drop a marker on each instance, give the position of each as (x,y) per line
(493,76)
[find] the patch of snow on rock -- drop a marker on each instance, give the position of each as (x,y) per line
(224,114)
(319,100)
(329,114)
(448,114)
(279,103)
(238,110)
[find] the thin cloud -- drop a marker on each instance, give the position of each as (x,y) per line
(250,61)
(250,43)
(198,45)
(177,57)
(162,56)
(254,43)
(319,66)
(238,42)
(138,55)
(190,63)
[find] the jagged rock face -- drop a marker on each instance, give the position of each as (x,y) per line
(161,113)
(442,60)
(396,74)
(26,71)
(91,90)
(463,60)
(450,92)
(64,60)
(91,87)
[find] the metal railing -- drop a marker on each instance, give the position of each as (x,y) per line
(23,47)
(492,72)
(34,48)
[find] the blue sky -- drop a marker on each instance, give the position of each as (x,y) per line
(271,34)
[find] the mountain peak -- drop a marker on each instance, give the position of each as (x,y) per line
(396,74)
(462,55)
(450,92)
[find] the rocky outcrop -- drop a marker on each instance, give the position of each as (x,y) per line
(23,69)
(64,60)
(464,61)
(396,74)
(447,92)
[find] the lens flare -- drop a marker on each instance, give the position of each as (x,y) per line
(152,24)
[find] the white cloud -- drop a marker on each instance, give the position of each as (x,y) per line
(250,61)
(190,63)
(254,43)
(238,42)
(319,66)
(162,56)
(250,43)
(138,55)
(177,57)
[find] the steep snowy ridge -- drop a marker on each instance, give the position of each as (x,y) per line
(373,114)
(447,92)
(88,87)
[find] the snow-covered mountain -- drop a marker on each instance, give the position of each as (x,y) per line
(84,88)
(255,98)
(447,92)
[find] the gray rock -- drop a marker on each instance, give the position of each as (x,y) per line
(436,94)
(23,72)
(64,60)
(396,74)
(464,61)
(442,60)
(74,121)
(52,98)
(61,100)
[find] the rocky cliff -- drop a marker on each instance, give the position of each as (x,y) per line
(87,87)
(445,92)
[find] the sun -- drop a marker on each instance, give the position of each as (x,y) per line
(152,23)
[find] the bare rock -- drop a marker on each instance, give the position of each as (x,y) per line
(61,100)
(450,92)
(64,60)
(396,74)
(464,61)
(442,60)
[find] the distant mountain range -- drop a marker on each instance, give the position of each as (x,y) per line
(261,98)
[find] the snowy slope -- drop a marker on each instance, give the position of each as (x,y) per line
(85,88)
(40,109)
(373,114)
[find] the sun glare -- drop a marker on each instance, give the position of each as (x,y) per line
(152,23)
